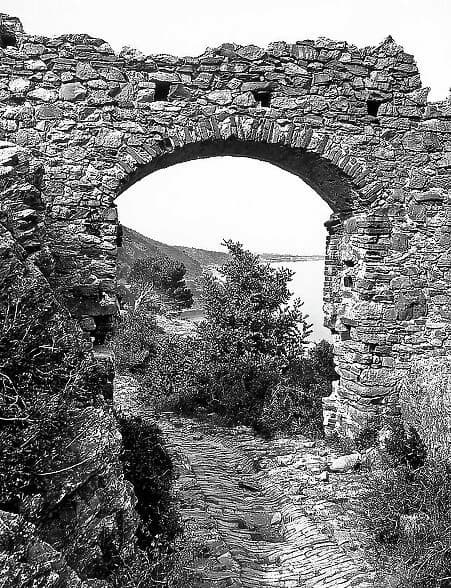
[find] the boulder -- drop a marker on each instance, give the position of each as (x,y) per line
(345,463)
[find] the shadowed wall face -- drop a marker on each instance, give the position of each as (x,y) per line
(352,123)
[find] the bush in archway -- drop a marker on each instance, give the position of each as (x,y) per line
(251,334)
(159,274)
(249,360)
(295,404)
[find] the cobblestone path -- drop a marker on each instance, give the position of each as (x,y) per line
(261,521)
(258,511)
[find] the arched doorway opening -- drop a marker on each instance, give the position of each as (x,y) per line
(334,186)
(199,203)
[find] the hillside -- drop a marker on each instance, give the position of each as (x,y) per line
(136,246)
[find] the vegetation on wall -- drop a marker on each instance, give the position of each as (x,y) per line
(149,468)
(425,400)
(44,374)
(408,509)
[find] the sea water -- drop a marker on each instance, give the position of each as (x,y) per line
(307,284)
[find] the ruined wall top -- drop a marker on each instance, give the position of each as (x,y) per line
(232,75)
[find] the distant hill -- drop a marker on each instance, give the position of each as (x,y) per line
(136,246)
(289,257)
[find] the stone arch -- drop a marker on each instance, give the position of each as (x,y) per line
(341,179)
(354,123)
(322,162)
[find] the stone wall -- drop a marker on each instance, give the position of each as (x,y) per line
(353,123)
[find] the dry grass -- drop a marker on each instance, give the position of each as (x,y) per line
(409,512)
(425,398)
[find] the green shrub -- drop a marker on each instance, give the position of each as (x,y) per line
(45,374)
(409,511)
(295,404)
(291,410)
(156,569)
(368,436)
(135,341)
(403,444)
(159,274)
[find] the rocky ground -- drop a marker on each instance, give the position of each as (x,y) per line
(264,513)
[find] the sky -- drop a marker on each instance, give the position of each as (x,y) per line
(201,202)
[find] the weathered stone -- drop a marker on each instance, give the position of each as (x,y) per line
(9,156)
(145,96)
(221,97)
(19,85)
(251,52)
(345,463)
(36,65)
(48,113)
(284,102)
(85,71)
(111,139)
(247,99)
(180,92)
(417,180)
(255,86)
(43,94)
(72,92)
(162,76)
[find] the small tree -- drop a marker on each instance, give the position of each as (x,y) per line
(251,335)
(248,308)
(159,274)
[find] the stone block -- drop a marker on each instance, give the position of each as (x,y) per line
(220,97)
(251,52)
(73,92)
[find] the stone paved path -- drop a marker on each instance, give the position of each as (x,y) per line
(238,490)
(260,514)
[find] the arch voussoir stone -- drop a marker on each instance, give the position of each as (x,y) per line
(353,123)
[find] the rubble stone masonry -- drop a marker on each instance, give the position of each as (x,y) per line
(353,123)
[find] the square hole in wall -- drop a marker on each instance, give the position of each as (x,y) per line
(103,328)
(347,282)
(119,235)
(7,38)
(262,97)
(346,335)
(373,107)
(162,91)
